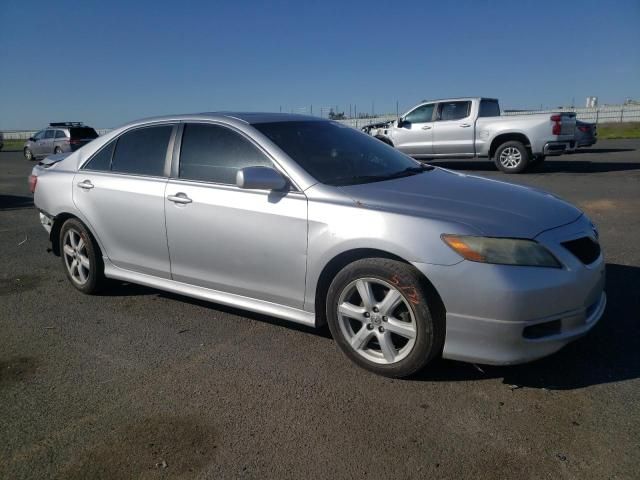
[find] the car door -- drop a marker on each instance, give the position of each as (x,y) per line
(246,242)
(415,134)
(453,130)
(120,192)
(47,142)
(36,145)
(60,140)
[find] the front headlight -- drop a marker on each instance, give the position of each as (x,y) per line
(505,251)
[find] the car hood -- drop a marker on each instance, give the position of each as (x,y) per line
(491,207)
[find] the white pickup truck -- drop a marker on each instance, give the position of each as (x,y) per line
(473,127)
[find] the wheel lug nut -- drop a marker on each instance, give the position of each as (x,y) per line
(375,309)
(367,314)
(381,329)
(369,326)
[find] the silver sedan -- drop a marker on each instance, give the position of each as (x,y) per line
(315,222)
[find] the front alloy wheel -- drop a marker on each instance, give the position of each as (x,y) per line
(379,312)
(376,320)
(28,154)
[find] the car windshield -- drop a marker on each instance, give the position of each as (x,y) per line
(335,154)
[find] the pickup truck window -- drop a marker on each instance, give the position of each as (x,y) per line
(489,108)
(453,110)
(422,114)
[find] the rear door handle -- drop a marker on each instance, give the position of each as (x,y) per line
(426,127)
(180,198)
(86,184)
(464,125)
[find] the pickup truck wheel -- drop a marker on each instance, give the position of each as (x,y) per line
(512,157)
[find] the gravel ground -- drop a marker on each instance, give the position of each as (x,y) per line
(137,383)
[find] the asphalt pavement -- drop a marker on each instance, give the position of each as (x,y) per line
(137,383)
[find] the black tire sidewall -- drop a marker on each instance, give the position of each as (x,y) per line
(524,154)
(430,334)
(96,274)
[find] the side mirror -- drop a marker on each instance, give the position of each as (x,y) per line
(400,123)
(260,178)
(31,139)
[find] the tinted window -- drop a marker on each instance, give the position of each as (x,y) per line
(421,114)
(83,132)
(454,110)
(39,135)
(101,161)
(60,134)
(338,155)
(489,108)
(214,154)
(49,133)
(142,151)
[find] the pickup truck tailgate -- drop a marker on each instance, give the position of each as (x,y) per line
(568,124)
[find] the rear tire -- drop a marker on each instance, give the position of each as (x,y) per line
(392,332)
(512,157)
(57,151)
(81,257)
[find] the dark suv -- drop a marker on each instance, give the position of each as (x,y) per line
(59,137)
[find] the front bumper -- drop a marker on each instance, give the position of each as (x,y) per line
(502,315)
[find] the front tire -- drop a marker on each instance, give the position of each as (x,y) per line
(512,157)
(28,154)
(81,257)
(378,313)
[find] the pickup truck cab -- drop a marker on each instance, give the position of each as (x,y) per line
(474,127)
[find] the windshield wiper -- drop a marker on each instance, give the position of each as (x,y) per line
(388,176)
(411,171)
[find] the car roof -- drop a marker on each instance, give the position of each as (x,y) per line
(245,117)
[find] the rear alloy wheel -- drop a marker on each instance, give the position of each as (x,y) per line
(28,154)
(81,257)
(512,157)
(378,314)
(57,150)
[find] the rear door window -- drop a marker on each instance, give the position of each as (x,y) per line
(101,161)
(489,108)
(49,133)
(453,110)
(142,151)
(212,153)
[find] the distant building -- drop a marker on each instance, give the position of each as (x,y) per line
(592,102)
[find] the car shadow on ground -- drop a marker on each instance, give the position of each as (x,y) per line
(15,202)
(609,353)
(549,166)
(603,150)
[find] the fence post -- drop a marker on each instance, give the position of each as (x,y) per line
(621,113)
(597,115)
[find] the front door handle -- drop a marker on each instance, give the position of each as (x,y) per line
(180,198)
(427,127)
(464,125)
(86,185)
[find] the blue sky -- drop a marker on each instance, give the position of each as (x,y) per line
(108,62)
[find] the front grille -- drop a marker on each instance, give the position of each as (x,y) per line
(584,249)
